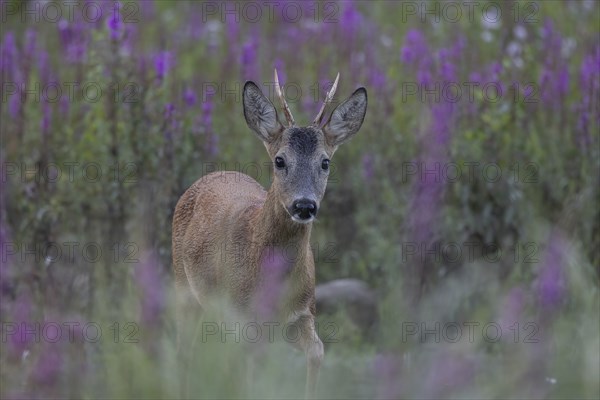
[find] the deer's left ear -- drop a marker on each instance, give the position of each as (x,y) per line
(347,118)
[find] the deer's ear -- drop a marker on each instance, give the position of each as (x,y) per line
(260,113)
(347,118)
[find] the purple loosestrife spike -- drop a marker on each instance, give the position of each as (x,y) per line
(250,56)
(73,37)
(163,62)
(148,9)
(114,23)
(150,280)
(424,74)
(414,48)
(48,367)
(43,66)
(30,42)
(64,105)
(350,22)
(367,167)
(22,338)
(447,68)
(274,267)
(7,259)
(46,118)
(562,83)
(387,370)
(377,78)
(233,32)
(190,98)
(15,104)
(447,374)
(11,70)
(10,55)
(211,140)
(442,117)
(589,82)
(552,285)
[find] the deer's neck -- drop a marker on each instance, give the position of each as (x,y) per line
(274,227)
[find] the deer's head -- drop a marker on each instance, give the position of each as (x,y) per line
(301,155)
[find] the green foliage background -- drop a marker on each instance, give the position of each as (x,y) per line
(150,140)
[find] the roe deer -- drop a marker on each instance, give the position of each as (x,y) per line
(234,211)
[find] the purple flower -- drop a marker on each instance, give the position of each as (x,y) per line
(148,10)
(30,41)
(589,81)
(9,54)
(114,23)
(448,373)
(163,62)
(21,339)
(149,280)
(447,68)
(274,267)
(250,56)
(425,80)
(350,23)
(64,105)
(590,70)
(377,78)
(211,140)
(233,32)
(15,103)
(414,48)
(190,98)
(552,40)
(48,367)
(562,83)
(46,118)
(551,283)
(43,66)
(368,167)
(387,369)
(442,113)
(73,38)
(5,243)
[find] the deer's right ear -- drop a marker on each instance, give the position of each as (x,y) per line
(260,113)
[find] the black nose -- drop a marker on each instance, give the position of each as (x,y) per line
(304,208)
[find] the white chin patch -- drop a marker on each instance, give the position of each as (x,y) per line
(302,221)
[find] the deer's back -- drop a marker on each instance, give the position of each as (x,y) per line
(212,214)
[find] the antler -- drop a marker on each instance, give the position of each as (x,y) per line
(286,109)
(328,99)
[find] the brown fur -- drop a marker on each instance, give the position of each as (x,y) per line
(254,221)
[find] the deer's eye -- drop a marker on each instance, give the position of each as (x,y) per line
(279,163)
(325,164)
